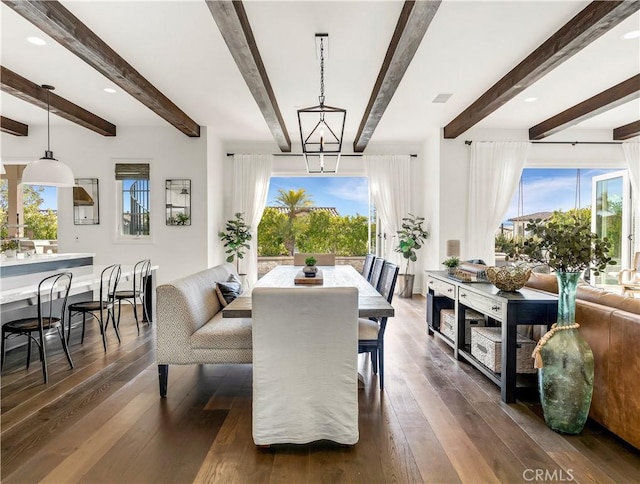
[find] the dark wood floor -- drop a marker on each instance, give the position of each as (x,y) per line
(438,420)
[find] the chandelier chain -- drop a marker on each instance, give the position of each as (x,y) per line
(322,69)
(48,120)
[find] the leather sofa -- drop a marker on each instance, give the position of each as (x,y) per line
(611,325)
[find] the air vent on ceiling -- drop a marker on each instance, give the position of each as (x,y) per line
(441,98)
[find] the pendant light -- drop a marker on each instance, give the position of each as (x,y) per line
(47,170)
(321,126)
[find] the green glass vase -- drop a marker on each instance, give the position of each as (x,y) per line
(566,380)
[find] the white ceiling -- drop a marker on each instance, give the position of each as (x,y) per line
(177,46)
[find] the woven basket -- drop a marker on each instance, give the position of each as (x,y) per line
(508,278)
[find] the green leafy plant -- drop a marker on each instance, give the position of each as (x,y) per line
(182,218)
(411,238)
(310,261)
(236,236)
(9,245)
(179,219)
(505,243)
(452,261)
(565,243)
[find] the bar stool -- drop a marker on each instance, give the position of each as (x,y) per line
(109,279)
(52,291)
(141,272)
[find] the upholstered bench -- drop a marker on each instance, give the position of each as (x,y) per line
(191,329)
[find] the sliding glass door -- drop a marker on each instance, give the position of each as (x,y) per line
(611,218)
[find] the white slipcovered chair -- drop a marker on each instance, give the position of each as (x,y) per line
(305,375)
(321,259)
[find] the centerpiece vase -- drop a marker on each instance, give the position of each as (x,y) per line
(310,271)
(565,381)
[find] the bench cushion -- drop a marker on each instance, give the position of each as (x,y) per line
(223,333)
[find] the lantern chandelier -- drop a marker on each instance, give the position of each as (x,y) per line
(47,170)
(321,126)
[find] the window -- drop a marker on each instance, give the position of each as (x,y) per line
(542,191)
(316,214)
(133,200)
(34,215)
(602,194)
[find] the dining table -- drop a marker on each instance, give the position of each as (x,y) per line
(370,302)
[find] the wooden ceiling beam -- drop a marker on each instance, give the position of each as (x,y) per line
(413,23)
(11,126)
(606,100)
(627,131)
(233,23)
(60,24)
(29,91)
(593,21)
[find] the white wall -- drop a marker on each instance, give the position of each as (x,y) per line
(177,250)
(431,204)
(216,166)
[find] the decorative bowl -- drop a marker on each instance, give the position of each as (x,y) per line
(310,271)
(508,278)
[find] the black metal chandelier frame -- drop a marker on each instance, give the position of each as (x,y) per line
(321,141)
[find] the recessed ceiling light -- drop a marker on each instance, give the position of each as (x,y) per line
(110,90)
(531,99)
(634,34)
(36,41)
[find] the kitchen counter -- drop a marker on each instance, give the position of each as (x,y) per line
(85,278)
(17,266)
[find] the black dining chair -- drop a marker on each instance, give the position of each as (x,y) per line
(376,272)
(371,331)
(104,305)
(368,265)
(53,292)
(141,273)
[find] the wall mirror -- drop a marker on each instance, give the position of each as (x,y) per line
(178,195)
(86,210)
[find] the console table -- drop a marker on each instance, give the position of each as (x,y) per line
(504,309)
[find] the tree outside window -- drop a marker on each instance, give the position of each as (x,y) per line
(42,224)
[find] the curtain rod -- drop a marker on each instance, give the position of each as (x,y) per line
(412,155)
(468,142)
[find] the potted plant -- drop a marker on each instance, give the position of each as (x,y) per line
(410,239)
(236,237)
(565,361)
(310,269)
(451,264)
(9,247)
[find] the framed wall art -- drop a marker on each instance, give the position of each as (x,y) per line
(178,202)
(86,206)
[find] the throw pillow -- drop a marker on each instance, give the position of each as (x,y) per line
(227,292)
(234,278)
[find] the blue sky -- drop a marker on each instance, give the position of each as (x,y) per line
(546,190)
(50,197)
(350,195)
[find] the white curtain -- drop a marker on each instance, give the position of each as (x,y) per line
(251,176)
(389,183)
(494,174)
(632,155)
